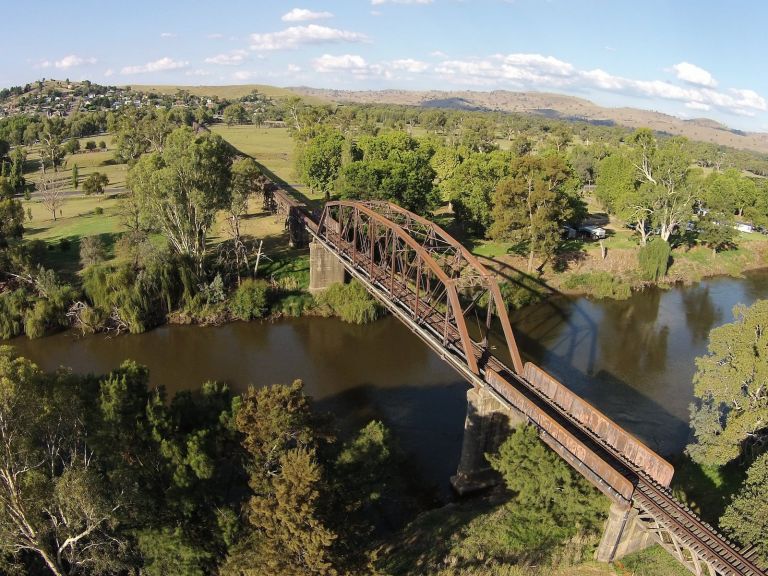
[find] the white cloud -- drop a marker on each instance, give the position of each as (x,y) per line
(409,65)
(293,68)
(379,2)
(346,62)
(157,66)
(539,71)
(108,72)
(197,72)
(515,69)
(438,54)
(698,106)
(302,15)
(167,35)
(242,75)
(232,58)
(297,35)
(692,74)
(359,68)
(69,61)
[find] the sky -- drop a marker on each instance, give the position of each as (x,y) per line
(689,58)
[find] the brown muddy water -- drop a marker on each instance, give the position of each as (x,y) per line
(633,359)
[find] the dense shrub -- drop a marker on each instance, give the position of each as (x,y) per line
(249,300)
(12,313)
(350,302)
(654,259)
(140,298)
(39,319)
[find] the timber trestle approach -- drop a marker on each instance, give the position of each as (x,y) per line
(442,293)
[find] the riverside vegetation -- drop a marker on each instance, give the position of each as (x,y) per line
(171,233)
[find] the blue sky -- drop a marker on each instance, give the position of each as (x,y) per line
(684,57)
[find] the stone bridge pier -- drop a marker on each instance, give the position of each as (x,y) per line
(324,268)
(487,425)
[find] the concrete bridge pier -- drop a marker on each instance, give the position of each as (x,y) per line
(324,268)
(623,534)
(487,425)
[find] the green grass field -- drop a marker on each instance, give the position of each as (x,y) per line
(272,148)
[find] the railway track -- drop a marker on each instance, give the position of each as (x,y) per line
(652,499)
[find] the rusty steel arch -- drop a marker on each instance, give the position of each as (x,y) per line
(429,273)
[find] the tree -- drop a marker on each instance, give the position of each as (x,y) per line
(51,194)
(550,502)
(181,188)
(288,535)
(291,538)
(394,167)
(654,259)
(72,146)
(53,502)
(731,412)
(662,172)
(235,114)
(319,160)
(75,177)
(51,137)
(246,178)
(746,518)
(92,251)
(715,230)
(471,187)
(95,183)
(11,220)
(90,145)
(531,205)
(16,176)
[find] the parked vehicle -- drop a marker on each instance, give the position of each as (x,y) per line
(593,232)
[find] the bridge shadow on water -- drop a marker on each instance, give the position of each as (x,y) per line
(427,423)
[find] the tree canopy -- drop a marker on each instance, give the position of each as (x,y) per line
(181,188)
(730,417)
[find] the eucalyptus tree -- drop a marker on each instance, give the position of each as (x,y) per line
(180,189)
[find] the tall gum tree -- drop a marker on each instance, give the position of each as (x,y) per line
(531,204)
(181,188)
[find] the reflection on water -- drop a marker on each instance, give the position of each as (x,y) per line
(633,359)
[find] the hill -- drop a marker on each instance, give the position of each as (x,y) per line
(229,92)
(554,106)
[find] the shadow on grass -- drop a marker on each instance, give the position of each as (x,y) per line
(707,491)
(63,255)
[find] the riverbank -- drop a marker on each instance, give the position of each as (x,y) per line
(584,270)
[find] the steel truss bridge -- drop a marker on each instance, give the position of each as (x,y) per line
(443,294)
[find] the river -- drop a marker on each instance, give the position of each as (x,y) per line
(633,359)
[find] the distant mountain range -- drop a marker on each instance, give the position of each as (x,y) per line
(556,106)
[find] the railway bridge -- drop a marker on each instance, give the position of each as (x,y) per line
(431,283)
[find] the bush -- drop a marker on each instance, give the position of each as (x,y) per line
(249,300)
(65,244)
(39,319)
(654,259)
(91,251)
(98,210)
(599,284)
(12,313)
(350,302)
